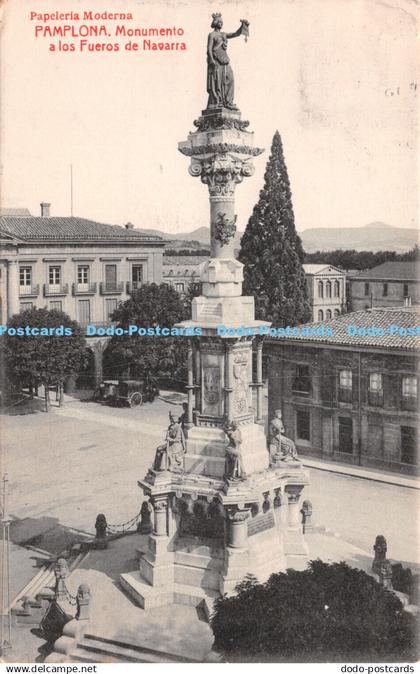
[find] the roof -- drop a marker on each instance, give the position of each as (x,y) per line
(68,228)
(16,212)
(321,268)
(400,271)
(184,260)
(382,319)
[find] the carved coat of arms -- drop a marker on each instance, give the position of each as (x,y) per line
(225,229)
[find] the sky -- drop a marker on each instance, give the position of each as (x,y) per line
(335,77)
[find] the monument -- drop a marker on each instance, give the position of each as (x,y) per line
(225,500)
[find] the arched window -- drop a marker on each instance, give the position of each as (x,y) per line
(320,289)
(328,315)
(320,315)
(336,313)
(328,289)
(336,288)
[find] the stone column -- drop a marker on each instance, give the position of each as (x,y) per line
(293,513)
(259,382)
(12,288)
(222,216)
(190,386)
(238,529)
(229,382)
(160,508)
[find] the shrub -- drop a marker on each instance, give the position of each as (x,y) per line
(329,611)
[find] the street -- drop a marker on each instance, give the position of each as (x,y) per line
(67,466)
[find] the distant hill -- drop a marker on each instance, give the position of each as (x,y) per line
(372,237)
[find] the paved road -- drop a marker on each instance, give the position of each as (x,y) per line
(71,464)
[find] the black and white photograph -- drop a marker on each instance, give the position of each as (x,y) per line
(209,335)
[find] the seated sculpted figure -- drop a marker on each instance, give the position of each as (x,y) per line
(233,461)
(280,447)
(170,455)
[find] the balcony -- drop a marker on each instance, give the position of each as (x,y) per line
(132,286)
(84,288)
(409,403)
(111,288)
(29,291)
(55,289)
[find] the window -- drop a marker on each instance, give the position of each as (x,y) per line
(83,311)
(302,380)
(385,290)
(82,275)
(376,392)
(111,276)
(320,315)
(56,305)
(54,276)
(179,287)
(320,289)
(336,288)
(366,288)
(137,275)
(345,386)
(409,442)
(26,306)
(328,314)
(328,289)
(405,289)
(25,276)
(336,313)
(303,424)
(345,435)
(409,393)
(110,307)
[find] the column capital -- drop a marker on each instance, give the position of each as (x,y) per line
(236,514)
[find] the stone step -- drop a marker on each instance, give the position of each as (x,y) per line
(198,561)
(146,596)
(197,577)
(212,466)
(111,650)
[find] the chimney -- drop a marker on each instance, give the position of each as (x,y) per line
(45,209)
(129,225)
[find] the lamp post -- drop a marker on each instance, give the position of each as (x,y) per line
(5,617)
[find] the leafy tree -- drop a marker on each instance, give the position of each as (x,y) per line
(327,612)
(40,359)
(151,305)
(360,259)
(272,251)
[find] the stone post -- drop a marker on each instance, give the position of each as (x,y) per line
(385,575)
(190,386)
(293,518)
(238,530)
(380,549)
(12,288)
(160,509)
(259,383)
(306,513)
(83,602)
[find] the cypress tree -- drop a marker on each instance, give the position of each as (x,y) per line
(272,252)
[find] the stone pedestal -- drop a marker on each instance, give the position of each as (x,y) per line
(210,528)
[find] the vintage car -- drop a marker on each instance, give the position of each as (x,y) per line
(132,392)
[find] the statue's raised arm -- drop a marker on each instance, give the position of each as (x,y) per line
(220,81)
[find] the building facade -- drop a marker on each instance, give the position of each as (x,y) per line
(182,271)
(351,398)
(71,264)
(391,284)
(326,290)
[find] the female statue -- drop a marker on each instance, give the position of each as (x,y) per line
(220,82)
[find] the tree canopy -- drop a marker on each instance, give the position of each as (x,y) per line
(37,359)
(151,305)
(327,612)
(272,251)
